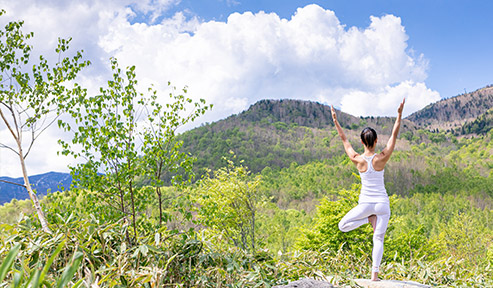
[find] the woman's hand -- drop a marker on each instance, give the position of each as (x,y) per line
(399,110)
(334,115)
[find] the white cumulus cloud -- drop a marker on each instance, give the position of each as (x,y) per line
(233,64)
(249,57)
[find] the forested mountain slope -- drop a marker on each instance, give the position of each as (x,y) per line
(455,111)
(299,136)
(480,125)
(276,133)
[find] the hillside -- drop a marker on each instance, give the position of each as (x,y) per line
(450,113)
(52,181)
(276,133)
(480,125)
(234,230)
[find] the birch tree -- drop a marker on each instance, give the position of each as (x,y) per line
(162,153)
(33,95)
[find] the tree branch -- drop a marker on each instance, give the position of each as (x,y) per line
(8,147)
(13,183)
(34,136)
(7,124)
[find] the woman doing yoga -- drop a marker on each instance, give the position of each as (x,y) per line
(373,205)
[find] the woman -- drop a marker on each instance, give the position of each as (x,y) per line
(373,205)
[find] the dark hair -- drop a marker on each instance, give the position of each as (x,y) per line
(368,136)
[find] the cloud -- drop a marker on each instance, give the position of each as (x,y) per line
(250,57)
(384,101)
(233,64)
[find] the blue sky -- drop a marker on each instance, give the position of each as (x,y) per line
(361,56)
(455,35)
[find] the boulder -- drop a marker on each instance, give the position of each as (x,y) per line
(307,283)
(312,283)
(388,284)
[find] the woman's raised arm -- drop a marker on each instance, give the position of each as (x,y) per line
(347,146)
(387,151)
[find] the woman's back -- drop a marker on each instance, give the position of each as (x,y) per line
(372,183)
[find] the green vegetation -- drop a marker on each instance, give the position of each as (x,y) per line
(33,94)
(440,231)
(264,214)
(480,125)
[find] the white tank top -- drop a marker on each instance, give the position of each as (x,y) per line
(372,184)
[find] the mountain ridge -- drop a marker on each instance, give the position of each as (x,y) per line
(276,133)
(42,183)
(453,112)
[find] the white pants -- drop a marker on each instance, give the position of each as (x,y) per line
(359,216)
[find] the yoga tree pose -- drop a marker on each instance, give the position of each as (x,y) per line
(373,205)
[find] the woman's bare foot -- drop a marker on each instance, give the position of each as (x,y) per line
(373,221)
(374,275)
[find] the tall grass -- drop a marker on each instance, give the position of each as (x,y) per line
(85,252)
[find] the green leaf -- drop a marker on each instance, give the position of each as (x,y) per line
(70,270)
(8,261)
(50,261)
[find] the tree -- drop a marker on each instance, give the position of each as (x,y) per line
(124,136)
(228,203)
(162,154)
(105,134)
(324,233)
(32,99)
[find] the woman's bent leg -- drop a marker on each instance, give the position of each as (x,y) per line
(356,217)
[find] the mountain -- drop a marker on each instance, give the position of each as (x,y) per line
(43,183)
(276,133)
(451,113)
(480,125)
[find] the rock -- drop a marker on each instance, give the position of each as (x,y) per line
(389,284)
(312,283)
(307,283)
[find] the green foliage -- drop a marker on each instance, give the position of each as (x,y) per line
(162,156)
(324,234)
(39,89)
(311,181)
(8,261)
(125,135)
(480,125)
(24,265)
(101,256)
(278,228)
(448,225)
(410,244)
(10,212)
(105,137)
(33,93)
(228,203)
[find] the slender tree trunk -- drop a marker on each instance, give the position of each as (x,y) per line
(122,205)
(32,195)
(253,229)
(133,211)
(158,191)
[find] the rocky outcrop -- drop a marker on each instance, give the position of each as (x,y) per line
(307,283)
(388,284)
(312,283)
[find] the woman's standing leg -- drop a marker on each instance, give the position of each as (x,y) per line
(382,211)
